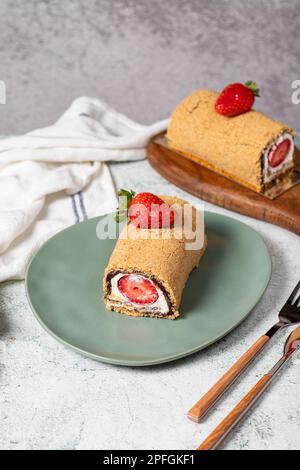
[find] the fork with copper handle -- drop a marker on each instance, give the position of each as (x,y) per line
(216,437)
(288,315)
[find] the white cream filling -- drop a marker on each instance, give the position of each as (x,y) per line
(160,306)
(269,172)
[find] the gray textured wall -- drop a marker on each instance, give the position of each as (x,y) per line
(143,56)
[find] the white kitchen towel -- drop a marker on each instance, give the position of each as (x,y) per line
(56,176)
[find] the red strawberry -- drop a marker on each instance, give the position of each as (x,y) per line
(236,98)
(145,210)
(277,156)
(138,289)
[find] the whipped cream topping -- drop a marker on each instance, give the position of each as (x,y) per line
(269,172)
(160,306)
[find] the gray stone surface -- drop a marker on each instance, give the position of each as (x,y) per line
(143,56)
(52,398)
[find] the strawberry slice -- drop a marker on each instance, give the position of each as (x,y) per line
(138,289)
(279,154)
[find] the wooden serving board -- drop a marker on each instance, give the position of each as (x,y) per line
(212,187)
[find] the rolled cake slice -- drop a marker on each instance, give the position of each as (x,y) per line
(148,268)
(250,148)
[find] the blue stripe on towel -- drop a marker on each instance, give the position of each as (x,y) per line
(75,210)
(82,206)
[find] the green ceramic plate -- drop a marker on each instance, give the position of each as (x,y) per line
(64,282)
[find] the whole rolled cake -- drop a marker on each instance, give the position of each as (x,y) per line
(250,148)
(148,268)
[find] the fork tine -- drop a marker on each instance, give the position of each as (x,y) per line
(291,297)
(297,301)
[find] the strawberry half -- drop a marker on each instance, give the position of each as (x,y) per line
(145,210)
(138,289)
(278,155)
(236,98)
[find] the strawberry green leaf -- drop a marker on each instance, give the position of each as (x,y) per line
(125,198)
(120,217)
(253,87)
(128,194)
